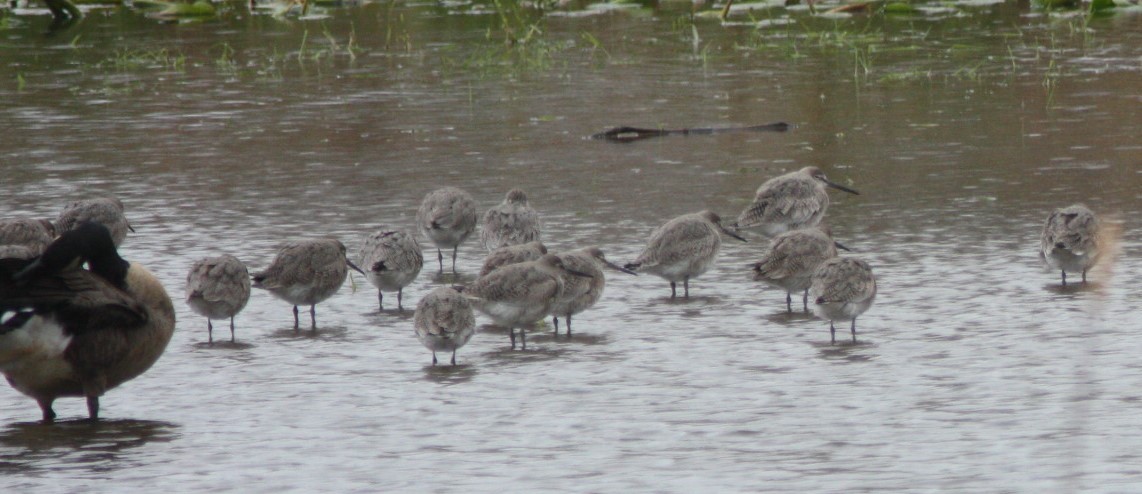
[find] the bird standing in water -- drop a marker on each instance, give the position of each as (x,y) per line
(789,202)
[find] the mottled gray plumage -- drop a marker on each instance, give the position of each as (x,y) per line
(1070,240)
(789,202)
(17,252)
(107,211)
(218,288)
(391,260)
(511,222)
(33,234)
(306,273)
(70,331)
(518,295)
(792,259)
(447,217)
(842,289)
(580,293)
(444,321)
(512,254)
(683,248)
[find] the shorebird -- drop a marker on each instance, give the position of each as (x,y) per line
(1070,240)
(33,234)
(518,295)
(512,254)
(218,288)
(447,217)
(792,259)
(107,211)
(683,248)
(842,289)
(789,202)
(392,259)
(444,321)
(306,273)
(579,293)
(511,222)
(69,331)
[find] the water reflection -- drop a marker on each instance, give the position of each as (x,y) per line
(93,446)
(449,375)
(847,351)
(335,333)
(223,345)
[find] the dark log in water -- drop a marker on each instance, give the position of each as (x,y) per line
(631,134)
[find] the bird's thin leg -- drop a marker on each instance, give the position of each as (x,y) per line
(440,259)
(400,295)
(1084,276)
(1064,278)
(805,300)
(832,333)
(380,300)
(434,358)
(209,331)
(93,407)
(231,329)
(49,415)
(555,322)
(673,293)
(313,317)
(295,323)
(511,334)
(854,330)
(788,302)
(568,325)
(453,357)
(454,249)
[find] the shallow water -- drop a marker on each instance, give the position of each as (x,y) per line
(974,369)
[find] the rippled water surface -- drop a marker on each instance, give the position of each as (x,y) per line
(961,126)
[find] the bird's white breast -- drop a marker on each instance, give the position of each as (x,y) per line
(31,356)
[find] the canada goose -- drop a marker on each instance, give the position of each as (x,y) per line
(70,331)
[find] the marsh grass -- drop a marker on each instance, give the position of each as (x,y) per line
(516,44)
(883,50)
(131,59)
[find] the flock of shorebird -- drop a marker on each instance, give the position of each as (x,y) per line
(76,319)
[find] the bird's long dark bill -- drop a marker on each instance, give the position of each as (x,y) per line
(578,273)
(620,269)
(841,187)
(354,266)
(732,234)
(841,246)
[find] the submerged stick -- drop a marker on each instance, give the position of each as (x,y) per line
(631,134)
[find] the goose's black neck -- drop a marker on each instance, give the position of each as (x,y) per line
(90,242)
